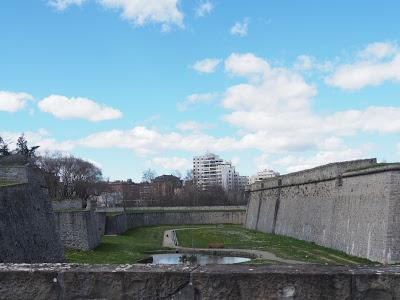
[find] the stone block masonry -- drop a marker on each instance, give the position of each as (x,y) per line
(66,281)
(118,224)
(351,206)
(14,173)
(80,229)
(27,225)
(69,204)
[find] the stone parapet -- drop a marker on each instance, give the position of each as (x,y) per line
(66,281)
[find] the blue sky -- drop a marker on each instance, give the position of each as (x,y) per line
(136,84)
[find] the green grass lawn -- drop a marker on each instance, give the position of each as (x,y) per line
(123,249)
(235,236)
(185,210)
(132,246)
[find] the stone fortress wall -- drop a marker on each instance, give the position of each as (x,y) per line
(68,204)
(119,224)
(27,226)
(14,173)
(350,206)
(80,229)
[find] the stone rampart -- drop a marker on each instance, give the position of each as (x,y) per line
(14,173)
(79,229)
(27,230)
(68,204)
(357,212)
(101,222)
(65,281)
(118,224)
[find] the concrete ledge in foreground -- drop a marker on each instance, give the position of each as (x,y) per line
(68,281)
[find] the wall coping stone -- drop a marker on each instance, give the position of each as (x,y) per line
(372,170)
(307,269)
(74,281)
(287,181)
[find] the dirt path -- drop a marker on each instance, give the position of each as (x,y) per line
(171,241)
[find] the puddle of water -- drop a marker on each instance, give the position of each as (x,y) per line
(200,259)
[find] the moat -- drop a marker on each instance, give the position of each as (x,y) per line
(199,259)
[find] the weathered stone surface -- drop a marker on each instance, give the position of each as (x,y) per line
(357,212)
(290,282)
(16,174)
(79,229)
(91,282)
(27,228)
(120,223)
(68,204)
(65,281)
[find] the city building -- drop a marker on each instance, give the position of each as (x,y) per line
(119,193)
(146,191)
(211,170)
(166,185)
(242,181)
(262,175)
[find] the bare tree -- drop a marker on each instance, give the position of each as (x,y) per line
(189,175)
(50,164)
(148,175)
(71,177)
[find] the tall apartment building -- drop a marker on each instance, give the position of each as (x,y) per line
(210,170)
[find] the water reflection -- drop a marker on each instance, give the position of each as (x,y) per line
(201,259)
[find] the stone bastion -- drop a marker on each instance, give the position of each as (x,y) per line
(351,206)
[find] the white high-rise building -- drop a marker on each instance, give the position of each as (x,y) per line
(226,176)
(210,170)
(205,173)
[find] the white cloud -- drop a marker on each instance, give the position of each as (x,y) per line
(240,28)
(247,65)
(78,108)
(262,162)
(195,99)
(12,102)
(373,119)
(171,163)
(378,50)
(141,12)
(192,126)
(64,4)
(304,63)
(273,113)
(331,150)
(207,65)
(204,8)
(277,89)
(143,140)
(379,62)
